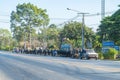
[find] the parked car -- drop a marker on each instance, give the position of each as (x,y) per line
(88,53)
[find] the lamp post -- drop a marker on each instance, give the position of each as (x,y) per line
(83,24)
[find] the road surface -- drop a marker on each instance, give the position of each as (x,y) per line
(36,67)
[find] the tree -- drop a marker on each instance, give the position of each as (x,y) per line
(52,32)
(104,28)
(96,43)
(109,28)
(5,39)
(25,18)
(73,31)
(89,36)
(52,35)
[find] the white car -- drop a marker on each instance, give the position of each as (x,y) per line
(89,53)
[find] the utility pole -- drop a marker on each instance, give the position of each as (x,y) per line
(83,24)
(102,9)
(103,12)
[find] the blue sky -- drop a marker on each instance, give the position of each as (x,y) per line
(56,9)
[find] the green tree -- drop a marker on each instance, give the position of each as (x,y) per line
(111,54)
(109,28)
(5,39)
(97,45)
(89,36)
(73,31)
(105,28)
(52,35)
(25,19)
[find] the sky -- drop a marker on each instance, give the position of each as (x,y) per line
(57,10)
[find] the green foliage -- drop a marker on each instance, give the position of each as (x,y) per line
(106,55)
(100,55)
(52,35)
(111,54)
(118,52)
(73,31)
(25,18)
(7,48)
(5,39)
(110,28)
(96,42)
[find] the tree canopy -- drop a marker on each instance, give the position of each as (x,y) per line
(5,39)
(110,28)
(73,31)
(25,18)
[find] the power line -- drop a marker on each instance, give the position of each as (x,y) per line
(68,20)
(96,14)
(91,15)
(99,14)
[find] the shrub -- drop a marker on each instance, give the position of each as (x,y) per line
(100,55)
(118,52)
(106,55)
(111,54)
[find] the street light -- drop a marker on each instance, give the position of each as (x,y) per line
(83,24)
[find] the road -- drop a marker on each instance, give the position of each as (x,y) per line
(36,67)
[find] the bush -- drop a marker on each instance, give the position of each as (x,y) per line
(111,54)
(118,52)
(100,55)
(6,48)
(106,55)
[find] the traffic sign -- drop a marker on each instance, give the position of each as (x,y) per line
(107,43)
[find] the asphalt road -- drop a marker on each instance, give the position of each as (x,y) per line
(36,67)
